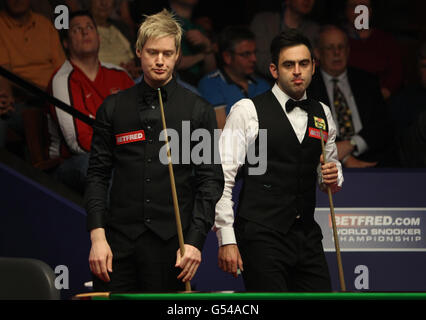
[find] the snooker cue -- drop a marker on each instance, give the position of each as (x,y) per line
(333,221)
(173,185)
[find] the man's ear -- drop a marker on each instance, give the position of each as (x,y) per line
(179,55)
(65,44)
(138,53)
(227,57)
(314,62)
(273,70)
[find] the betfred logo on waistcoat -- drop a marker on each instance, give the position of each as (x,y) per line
(315,133)
(130,137)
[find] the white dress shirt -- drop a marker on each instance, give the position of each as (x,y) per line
(345,87)
(242,127)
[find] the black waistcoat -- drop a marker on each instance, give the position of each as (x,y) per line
(141,195)
(287,188)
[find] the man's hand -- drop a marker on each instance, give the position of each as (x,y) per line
(344,148)
(188,263)
(352,162)
(197,38)
(329,173)
(6,102)
(100,258)
(229,259)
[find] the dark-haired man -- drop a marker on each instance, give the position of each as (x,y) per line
(235,79)
(275,233)
(82,82)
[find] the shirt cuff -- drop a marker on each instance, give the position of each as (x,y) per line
(334,188)
(226,236)
(94,221)
(361,145)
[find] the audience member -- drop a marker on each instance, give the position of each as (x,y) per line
(374,50)
(116,39)
(198,56)
(121,11)
(30,48)
(235,78)
(266,25)
(354,98)
(82,82)
(408,111)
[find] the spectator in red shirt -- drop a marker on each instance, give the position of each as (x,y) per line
(82,82)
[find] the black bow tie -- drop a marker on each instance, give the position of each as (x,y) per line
(149,96)
(291,104)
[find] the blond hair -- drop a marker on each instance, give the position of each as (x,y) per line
(159,25)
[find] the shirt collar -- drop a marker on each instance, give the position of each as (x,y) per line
(230,81)
(76,68)
(169,87)
(328,78)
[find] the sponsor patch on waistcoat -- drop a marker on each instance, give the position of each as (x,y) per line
(315,133)
(319,123)
(130,137)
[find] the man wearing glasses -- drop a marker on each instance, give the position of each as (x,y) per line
(355,101)
(82,82)
(235,79)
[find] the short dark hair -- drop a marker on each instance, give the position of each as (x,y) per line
(232,35)
(288,38)
(74,14)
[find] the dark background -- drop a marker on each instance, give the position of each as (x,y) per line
(401,17)
(404,19)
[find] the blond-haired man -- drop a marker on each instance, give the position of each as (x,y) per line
(134,238)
